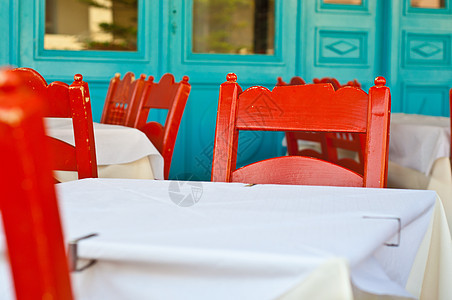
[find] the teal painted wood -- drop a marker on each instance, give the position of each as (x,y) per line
(421,61)
(341,41)
(312,39)
(8,15)
(341,8)
(5,16)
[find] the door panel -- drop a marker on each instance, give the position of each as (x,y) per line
(341,41)
(427,99)
(421,47)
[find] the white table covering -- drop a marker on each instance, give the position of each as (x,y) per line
(417,141)
(115,145)
(240,242)
(419,152)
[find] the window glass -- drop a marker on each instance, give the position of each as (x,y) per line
(428,3)
(348,2)
(233,26)
(91,25)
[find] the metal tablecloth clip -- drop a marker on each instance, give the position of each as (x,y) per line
(398,231)
(73,255)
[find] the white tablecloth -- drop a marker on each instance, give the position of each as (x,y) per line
(250,242)
(117,147)
(419,151)
(417,141)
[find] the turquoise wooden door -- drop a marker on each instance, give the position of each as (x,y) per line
(342,39)
(207,69)
(421,64)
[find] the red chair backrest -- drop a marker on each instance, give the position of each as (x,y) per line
(121,103)
(166,94)
(310,108)
(64,101)
(330,143)
(292,138)
(28,204)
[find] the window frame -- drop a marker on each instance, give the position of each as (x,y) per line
(335,7)
(196,58)
(408,9)
(143,40)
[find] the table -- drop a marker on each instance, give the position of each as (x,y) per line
(417,141)
(204,240)
(419,152)
(122,152)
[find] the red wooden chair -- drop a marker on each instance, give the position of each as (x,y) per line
(170,95)
(121,103)
(310,108)
(336,85)
(335,82)
(353,83)
(64,101)
(296,80)
(28,203)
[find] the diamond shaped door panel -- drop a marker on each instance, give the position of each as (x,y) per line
(342,47)
(427,50)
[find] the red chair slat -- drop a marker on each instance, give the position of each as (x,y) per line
(315,172)
(342,107)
